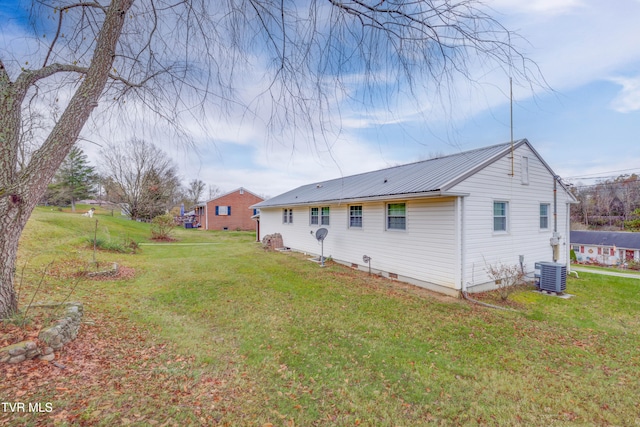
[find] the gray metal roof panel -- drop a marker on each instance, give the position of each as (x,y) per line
(419,177)
(620,239)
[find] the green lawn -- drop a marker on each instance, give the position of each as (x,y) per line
(239,336)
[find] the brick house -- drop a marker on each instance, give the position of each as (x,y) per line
(231,211)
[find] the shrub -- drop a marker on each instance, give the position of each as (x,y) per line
(162,227)
(506,277)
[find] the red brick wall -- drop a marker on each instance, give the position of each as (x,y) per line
(240,217)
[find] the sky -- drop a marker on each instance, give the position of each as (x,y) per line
(585,123)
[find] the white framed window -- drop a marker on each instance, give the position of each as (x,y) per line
(396,216)
(355,216)
(287,216)
(544,216)
(324,215)
(314,216)
(500,212)
(223,210)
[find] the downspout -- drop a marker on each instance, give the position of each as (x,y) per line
(461,242)
(555,240)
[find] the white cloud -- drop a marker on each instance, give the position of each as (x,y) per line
(628,99)
(547,7)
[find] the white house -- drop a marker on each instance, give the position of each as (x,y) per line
(606,247)
(437,223)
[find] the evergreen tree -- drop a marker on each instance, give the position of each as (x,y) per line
(75,180)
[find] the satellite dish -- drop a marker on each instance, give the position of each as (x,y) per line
(321,233)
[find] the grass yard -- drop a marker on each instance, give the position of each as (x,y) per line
(215,331)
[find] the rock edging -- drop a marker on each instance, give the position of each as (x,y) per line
(55,337)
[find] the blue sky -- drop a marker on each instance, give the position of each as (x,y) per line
(587,125)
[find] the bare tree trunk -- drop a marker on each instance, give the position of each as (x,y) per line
(8,251)
(20,190)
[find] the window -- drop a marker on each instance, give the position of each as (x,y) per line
(355,216)
(499,216)
(223,210)
(544,216)
(314,216)
(396,216)
(287,216)
(324,217)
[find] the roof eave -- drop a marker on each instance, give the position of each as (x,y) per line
(400,196)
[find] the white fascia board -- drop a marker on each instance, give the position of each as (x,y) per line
(403,196)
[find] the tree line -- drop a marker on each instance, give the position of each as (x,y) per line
(611,203)
(139,177)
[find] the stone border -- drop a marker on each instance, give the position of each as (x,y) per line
(55,337)
(113,271)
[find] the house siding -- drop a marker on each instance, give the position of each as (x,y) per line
(449,239)
(240,202)
(424,251)
(483,246)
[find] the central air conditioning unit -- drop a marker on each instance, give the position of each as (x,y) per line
(552,276)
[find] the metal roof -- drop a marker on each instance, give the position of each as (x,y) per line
(429,176)
(620,239)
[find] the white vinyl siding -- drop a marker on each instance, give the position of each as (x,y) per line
(524,170)
(484,246)
(425,252)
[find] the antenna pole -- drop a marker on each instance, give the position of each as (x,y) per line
(511,117)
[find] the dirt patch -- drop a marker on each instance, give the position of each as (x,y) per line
(75,268)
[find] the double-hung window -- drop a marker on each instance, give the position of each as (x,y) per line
(500,211)
(355,216)
(544,216)
(314,216)
(324,215)
(396,216)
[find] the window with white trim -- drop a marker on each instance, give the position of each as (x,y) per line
(355,216)
(396,216)
(500,211)
(544,216)
(314,216)
(324,215)
(287,216)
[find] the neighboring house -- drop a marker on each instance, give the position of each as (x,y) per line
(231,211)
(437,223)
(606,247)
